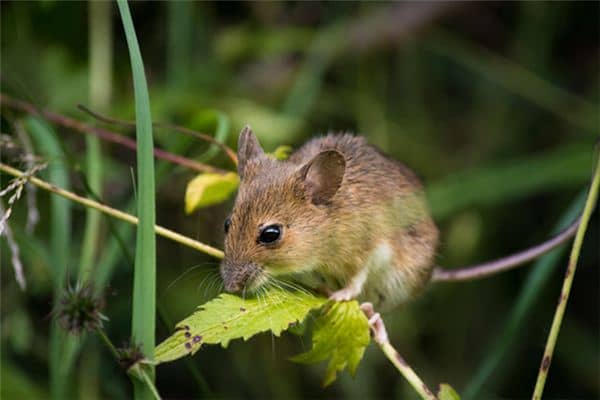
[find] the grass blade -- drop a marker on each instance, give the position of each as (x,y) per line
(144,285)
(60,221)
(564,167)
(519,80)
(100,83)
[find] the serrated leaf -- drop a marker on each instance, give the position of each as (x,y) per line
(281,152)
(207,189)
(341,334)
(229,317)
(447,392)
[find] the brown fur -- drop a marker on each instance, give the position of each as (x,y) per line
(337,199)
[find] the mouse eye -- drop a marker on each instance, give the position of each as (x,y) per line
(270,234)
(226,224)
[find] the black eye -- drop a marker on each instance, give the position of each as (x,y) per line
(226,225)
(270,234)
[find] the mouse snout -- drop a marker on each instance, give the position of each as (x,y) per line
(238,276)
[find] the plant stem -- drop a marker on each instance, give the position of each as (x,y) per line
(186,131)
(108,343)
(568,282)
(150,384)
(517,321)
(380,337)
(406,370)
(113,350)
(123,216)
(104,134)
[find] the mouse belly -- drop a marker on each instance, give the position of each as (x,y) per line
(387,283)
(383,280)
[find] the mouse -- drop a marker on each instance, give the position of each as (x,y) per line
(338,216)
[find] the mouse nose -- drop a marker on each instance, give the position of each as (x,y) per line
(238,276)
(231,287)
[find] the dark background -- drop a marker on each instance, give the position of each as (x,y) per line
(494,105)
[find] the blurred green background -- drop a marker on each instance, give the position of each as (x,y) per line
(494,105)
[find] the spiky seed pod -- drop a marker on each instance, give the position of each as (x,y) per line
(129,355)
(79,309)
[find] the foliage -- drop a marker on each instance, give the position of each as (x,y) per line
(497,119)
(446,392)
(281,152)
(143,316)
(231,317)
(341,335)
(207,189)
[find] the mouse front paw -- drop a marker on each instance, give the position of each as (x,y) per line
(345,294)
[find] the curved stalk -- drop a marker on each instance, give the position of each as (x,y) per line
(113,212)
(590,204)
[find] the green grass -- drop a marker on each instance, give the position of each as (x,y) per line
(565,167)
(144,286)
(100,82)
(61,345)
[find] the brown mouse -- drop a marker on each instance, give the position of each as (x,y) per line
(337,214)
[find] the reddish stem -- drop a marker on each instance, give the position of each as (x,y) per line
(103,134)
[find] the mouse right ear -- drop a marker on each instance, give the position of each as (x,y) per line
(248,149)
(323,176)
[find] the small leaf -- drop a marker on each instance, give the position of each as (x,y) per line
(207,189)
(281,152)
(230,317)
(341,335)
(447,392)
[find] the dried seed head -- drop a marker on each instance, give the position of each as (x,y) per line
(129,355)
(79,309)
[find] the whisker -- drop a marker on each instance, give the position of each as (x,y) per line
(210,280)
(183,274)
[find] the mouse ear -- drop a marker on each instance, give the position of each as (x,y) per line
(323,176)
(248,149)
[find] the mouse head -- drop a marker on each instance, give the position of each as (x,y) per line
(280,216)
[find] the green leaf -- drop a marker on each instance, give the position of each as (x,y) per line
(207,189)
(447,392)
(281,152)
(143,321)
(341,335)
(229,317)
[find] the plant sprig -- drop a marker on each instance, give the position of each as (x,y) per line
(563,298)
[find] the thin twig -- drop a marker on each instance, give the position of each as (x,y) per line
(164,232)
(486,269)
(199,135)
(111,347)
(590,204)
(104,134)
(380,337)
